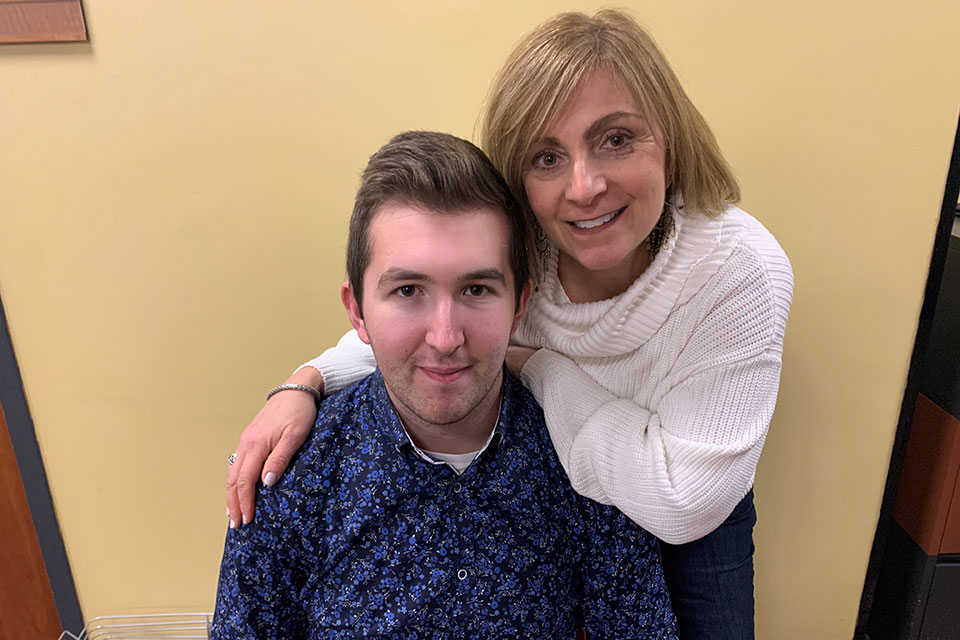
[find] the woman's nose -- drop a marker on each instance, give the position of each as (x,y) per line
(586,182)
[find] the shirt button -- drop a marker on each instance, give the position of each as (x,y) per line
(457,488)
(462,574)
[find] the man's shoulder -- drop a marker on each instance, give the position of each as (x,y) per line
(344,418)
(525,421)
(345,445)
(522,405)
(352,403)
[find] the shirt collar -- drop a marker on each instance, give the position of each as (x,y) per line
(426,456)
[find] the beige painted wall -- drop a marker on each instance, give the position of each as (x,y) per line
(174,198)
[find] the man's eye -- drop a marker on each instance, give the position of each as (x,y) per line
(406,291)
(476,290)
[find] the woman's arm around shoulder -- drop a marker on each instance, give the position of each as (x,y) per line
(276,433)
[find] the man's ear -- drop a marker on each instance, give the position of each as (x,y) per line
(522,305)
(353,311)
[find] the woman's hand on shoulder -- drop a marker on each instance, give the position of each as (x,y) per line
(517,357)
(268,443)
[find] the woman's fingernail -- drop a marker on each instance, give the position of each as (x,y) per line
(246,520)
(270,478)
(233,524)
(228,512)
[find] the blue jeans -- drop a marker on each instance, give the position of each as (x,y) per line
(711,579)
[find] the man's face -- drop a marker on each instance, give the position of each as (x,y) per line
(438,309)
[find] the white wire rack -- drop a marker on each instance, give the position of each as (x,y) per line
(145,627)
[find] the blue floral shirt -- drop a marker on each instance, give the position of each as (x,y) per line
(363,538)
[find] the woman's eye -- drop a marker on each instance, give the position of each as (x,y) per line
(407,291)
(545,160)
(617,140)
(476,290)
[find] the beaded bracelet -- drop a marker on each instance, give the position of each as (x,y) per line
(317,396)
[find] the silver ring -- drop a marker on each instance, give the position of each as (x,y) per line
(232,457)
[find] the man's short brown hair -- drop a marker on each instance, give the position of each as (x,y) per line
(439,172)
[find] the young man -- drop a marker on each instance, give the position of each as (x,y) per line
(428,501)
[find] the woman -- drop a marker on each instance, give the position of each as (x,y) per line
(654,340)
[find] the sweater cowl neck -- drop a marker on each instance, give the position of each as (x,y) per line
(626,321)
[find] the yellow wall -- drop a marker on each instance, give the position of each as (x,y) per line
(174,198)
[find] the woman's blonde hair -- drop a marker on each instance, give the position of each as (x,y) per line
(551,62)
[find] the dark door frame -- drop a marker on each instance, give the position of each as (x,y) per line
(938,259)
(34,477)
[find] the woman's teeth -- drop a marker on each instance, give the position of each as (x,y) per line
(596,222)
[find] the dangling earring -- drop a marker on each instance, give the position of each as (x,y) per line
(543,245)
(662,230)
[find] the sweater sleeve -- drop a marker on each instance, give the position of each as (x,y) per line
(350,360)
(679,466)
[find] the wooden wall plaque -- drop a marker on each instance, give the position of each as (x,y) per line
(41,21)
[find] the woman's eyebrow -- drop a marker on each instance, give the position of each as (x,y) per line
(602,123)
(593,130)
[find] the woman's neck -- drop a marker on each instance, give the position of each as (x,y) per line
(585,285)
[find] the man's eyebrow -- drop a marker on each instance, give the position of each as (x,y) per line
(395,274)
(485,274)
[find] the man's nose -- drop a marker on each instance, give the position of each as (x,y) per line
(586,182)
(444,333)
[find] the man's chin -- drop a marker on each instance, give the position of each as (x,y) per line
(441,417)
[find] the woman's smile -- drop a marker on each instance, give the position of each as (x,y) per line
(595,223)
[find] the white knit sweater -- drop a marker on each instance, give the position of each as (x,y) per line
(658,400)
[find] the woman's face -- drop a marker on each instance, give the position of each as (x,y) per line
(596,184)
